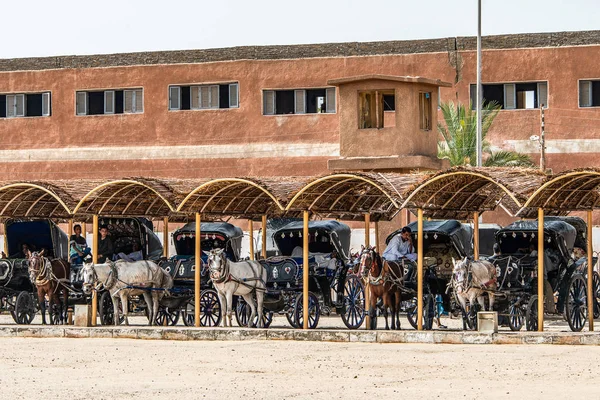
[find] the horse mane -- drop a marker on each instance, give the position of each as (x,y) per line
(378,260)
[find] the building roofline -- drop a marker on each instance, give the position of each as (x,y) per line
(301,51)
(395,78)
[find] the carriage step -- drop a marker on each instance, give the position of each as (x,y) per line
(487,322)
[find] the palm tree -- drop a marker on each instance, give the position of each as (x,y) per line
(460,138)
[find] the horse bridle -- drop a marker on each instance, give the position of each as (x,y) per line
(215,273)
(42,275)
(111,279)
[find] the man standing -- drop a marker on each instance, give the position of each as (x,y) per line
(78,248)
(105,245)
(401,246)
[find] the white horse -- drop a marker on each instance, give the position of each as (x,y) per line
(237,278)
(471,280)
(124,279)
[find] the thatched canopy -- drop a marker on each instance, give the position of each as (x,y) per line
(35,199)
(458,192)
(239,197)
(349,196)
(143,197)
(574,190)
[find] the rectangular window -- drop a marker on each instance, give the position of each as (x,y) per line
(106,102)
(201,97)
(25,105)
(372,105)
(299,101)
(513,96)
(425,111)
(589,93)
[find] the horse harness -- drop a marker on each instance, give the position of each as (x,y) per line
(45,274)
(226,276)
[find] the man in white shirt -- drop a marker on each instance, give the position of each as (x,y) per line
(400,246)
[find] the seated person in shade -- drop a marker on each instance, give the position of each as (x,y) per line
(105,245)
(135,255)
(78,248)
(401,246)
(25,250)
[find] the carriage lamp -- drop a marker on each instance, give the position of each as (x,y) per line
(533,235)
(291,234)
(426,236)
(282,235)
(514,235)
(299,234)
(524,234)
(435,236)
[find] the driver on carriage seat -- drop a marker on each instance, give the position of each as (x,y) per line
(401,246)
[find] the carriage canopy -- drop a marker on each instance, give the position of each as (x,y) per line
(37,234)
(219,235)
(519,236)
(325,237)
(126,231)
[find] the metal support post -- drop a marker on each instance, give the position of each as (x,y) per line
(540,288)
(305,234)
(198,267)
(95,261)
(420,269)
(476,235)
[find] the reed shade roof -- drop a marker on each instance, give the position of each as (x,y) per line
(35,199)
(239,197)
(136,197)
(574,190)
(348,196)
(458,192)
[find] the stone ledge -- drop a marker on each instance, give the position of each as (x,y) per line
(317,335)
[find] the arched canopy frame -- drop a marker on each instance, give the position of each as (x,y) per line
(35,200)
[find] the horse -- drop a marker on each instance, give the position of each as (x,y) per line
(385,282)
(123,279)
(471,279)
(237,278)
(50,278)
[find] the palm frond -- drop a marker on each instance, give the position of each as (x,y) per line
(506,158)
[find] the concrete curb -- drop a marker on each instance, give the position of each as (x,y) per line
(318,335)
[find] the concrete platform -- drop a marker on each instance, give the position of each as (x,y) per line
(318,335)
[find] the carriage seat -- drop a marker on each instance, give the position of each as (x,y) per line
(124,244)
(443,259)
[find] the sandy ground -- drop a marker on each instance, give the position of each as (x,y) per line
(135,369)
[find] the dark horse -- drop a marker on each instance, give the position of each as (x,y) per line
(385,282)
(50,278)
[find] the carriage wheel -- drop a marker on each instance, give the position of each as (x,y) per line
(353,313)
(531,316)
(314,310)
(166,317)
(188,313)
(515,316)
(242,314)
(290,313)
(576,306)
(428,312)
(210,310)
(106,311)
(596,283)
(25,308)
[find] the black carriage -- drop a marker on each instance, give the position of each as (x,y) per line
(16,290)
(565,284)
(214,235)
(332,284)
(443,241)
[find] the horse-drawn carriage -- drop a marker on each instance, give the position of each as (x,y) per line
(331,285)
(565,272)
(215,235)
(16,289)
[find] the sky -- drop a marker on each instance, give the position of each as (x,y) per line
(65,27)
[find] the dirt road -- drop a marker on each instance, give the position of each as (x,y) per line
(131,369)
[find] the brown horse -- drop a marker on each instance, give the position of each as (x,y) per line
(50,278)
(385,282)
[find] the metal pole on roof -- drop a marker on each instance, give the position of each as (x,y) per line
(70,229)
(420,269)
(95,261)
(198,266)
(376,226)
(166,237)
(479,88)
(476,235)
(540,277)
(264,237)
(305,278)
(590,273)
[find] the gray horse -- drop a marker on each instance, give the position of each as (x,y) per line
(471,280)
(124,279)
(237,278)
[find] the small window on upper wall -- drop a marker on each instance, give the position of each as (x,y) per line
(299,101)
(114,101)
(513,96)
(16,105)
(425,111)
(372,105)
(204,97)
(589,93)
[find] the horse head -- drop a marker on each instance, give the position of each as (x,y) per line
(36,264)
(89,277)
(460,273)
(217,262)
(368,262)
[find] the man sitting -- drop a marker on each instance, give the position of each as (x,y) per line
(78,248)
(400,247)
(105,245)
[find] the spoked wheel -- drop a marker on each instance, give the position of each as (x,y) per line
(210,310)
(106,311)
(428,312)
(576,306)
(516,318)
(188,313)
(353,312)
(314,310)
(290,314)
(242,314)
(596,283)
(166,317)
(25,308)
(531,316)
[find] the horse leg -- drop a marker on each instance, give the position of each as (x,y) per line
(229,295)
(398,299)
(463,307)
(260,296)
(373,310)
(125,305)
(148,298)
(386,305)
(223,301)
(155,306)
(42,303)
(250,302)
(492,299)
(116,314)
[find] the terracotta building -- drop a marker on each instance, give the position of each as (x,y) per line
(291,110)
